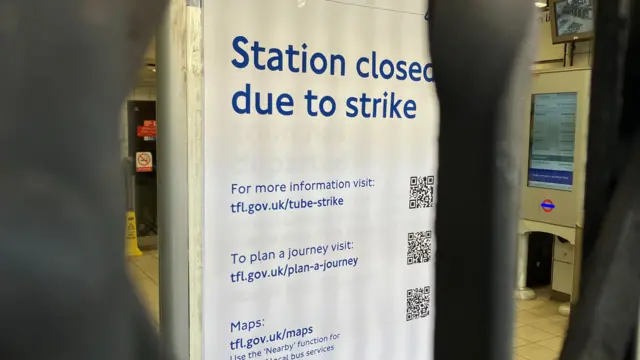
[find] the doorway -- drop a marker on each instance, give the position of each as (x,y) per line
(139,116)
(540,260)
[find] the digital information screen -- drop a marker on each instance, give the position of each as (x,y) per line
(552,142)
(574,17)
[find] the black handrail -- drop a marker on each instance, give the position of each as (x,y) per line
(480,69)
(603,324)
(66,67)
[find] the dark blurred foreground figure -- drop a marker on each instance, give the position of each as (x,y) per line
(476,102)
(66,66)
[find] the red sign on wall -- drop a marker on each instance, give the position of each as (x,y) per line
(148,129)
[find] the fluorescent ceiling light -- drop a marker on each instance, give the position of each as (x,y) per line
(541,4)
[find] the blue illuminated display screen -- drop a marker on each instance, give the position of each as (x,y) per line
(552,141)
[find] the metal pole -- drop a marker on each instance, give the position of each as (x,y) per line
(604,320)
(522,291)
(195,130)
(130,183)
(173,190)
(637,339)
(65,292)
(481,106)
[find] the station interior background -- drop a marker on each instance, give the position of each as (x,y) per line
(539,329)
(143,269)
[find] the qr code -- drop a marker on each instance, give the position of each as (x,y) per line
(419,247)
(421,192)
(418,302)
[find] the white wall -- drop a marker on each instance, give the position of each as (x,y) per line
(147,92)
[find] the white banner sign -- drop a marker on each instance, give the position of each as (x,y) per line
(321,130)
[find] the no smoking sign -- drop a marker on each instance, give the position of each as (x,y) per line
(144,162)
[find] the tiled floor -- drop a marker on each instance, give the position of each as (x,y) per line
(144,272)
(539,328)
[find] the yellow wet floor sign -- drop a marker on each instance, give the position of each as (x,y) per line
(132,235)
